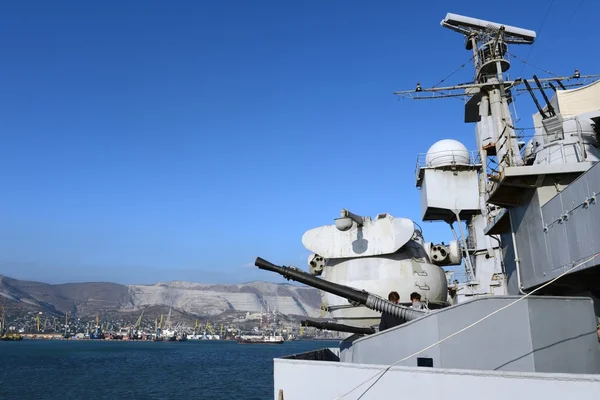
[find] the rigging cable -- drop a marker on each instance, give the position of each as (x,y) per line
(538,32)
(462,95)
(531,65)
(575,11)
(381,373)
(455,71)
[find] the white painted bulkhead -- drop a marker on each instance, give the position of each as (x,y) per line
(325,380)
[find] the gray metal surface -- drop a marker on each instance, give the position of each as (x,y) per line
(515,183)
(538,334)
(444,191)
(572,225)
(571,233)
(322,380)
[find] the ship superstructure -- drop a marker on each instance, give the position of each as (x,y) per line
(531,239)
(521,232)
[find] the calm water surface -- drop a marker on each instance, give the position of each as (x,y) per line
(141,370)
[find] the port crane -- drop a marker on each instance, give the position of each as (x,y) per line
(134,330)
(38,322)
(196,328)
(158,323)
(67,324)
(210,329)
(97,333)
(2,319)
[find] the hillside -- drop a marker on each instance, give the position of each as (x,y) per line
(196,299)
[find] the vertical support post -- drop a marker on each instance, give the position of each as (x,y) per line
(463,241)
(504,122)
(473,39)
(516,252)
(579,136)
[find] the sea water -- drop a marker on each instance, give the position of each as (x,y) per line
(91,370)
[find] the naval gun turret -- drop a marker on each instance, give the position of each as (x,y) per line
(374,256)
(354,296)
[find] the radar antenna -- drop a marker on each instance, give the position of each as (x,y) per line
(488,42)
(489,95)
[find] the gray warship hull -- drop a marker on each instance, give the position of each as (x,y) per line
(525,351)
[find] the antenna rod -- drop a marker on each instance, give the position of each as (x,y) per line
(535,100)
(539,85)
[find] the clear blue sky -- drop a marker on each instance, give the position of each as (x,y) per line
(169,140)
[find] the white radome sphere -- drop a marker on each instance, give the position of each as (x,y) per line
(447,152)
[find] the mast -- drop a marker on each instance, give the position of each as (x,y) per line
(512,172)
(488,42)
(490,94)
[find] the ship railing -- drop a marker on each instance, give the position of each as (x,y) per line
(458,275)
(565,153)
(554,150)
(446,160)
(560,146)
(556,153)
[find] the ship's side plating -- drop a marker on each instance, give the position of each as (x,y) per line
(553,221)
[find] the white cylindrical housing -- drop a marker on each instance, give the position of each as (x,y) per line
(380,276)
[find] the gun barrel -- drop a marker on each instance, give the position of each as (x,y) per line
(370,300)
(331,326)
(302,277)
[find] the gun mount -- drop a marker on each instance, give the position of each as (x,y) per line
(331,326)
(354,296)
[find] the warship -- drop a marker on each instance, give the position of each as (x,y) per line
(524,215)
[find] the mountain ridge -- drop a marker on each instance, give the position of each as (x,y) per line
(194,298)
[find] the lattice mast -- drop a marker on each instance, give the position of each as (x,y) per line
(488,42)
(489,95)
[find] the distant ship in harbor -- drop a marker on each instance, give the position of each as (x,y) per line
(208,334)
(261,339)
(269,336)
